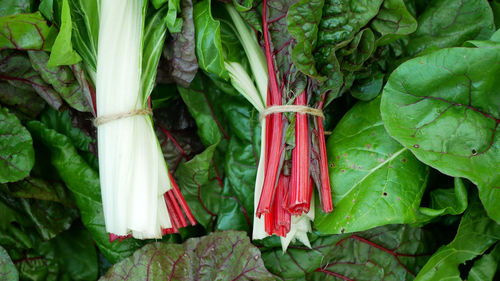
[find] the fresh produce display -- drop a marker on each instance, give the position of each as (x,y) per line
(249,140)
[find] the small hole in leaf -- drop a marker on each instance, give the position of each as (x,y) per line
(403,160)
(474,151)
(416,145)
(342,230)
(385,194)
(332,165)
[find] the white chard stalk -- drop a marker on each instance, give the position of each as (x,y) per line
(133,173)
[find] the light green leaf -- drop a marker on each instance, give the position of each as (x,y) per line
(208,43)
(7,268)
(24,32)
(62,52)
(486,267)
(375,181)
(445,108)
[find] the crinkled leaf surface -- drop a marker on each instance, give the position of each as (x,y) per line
(17,155)
(40,189)
(475,235)
(449,23)
(8,270)
(375,181)
(61,78)
(390,252)
(180,51)
(445,108)
(24,32)
(226,255)
(83,181)
(14,7)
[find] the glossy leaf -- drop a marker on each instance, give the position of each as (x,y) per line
(17,156)
(393,21)
(208,44)
(62,52)
(486,267)
(375,180)
(303,18)
(475,235)
(226,255)
(392,251)
(447,201)
(62,80)
(444,107)
(24,32)
(8,270)
(83,181)
(449,23)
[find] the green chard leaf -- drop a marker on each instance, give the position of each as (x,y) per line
(486,267)
(449,23)
(444,107)
(25,101)
(24,32)
(226,255)
(393,21)
(202,193)
(40,189)
(443,201)
(62,80)
(375,180)
(303,18)
(14,7)
(174,23)
(208,43)
(393,250)
(8,270)
(83,181)
(62,52)
(16,69)
(17,155)
(475,234)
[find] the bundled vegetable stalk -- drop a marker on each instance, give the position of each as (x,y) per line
(293,151)
(140,197)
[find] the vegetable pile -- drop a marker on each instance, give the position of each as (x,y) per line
(253,140)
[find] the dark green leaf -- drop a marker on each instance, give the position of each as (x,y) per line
(375,181)
(303,18)
(385,252)
(62,80)
(46,7)
(76,254)
(444,107)
(226,255)
(447,201)
(367,89)
(41,189)
(180,51)
(83,181)
(201,192)
(17,156)
(449,23)
(475,235)
(24,32)
(16,69)
(208,42)
(26,101)
(62,52)
(8,270)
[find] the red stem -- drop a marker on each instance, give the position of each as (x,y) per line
(181,200)
(169,136)
(325,190)
(281,216)
(274,152)
(177,209)
(299,190)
